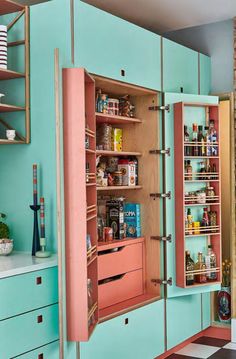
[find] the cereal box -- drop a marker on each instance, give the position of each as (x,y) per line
(117,134)
(132,220)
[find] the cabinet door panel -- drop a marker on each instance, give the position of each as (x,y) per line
(183,313)
(205,74)
(206,310)
(171,98)
(50,351)
(138,334)
(180,68)
(105,45)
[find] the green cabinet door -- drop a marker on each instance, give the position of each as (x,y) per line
(138,334)
(206,310)
(183,316)
(170,99)
(50,351)
(105,45)
(180,68)
(205,74)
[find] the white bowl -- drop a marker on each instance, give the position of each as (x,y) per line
(6,247)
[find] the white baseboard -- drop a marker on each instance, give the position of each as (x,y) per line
(233,330)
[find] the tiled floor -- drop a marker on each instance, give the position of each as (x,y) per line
(207,348)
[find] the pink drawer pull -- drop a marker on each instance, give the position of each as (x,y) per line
(40,356)
(39,280)
(39,319)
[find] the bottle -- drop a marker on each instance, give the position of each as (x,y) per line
(213,137)
(187,149)
(186,219)
(211,264)
(214,171)
(200,265)
(201,142)
(189,266)
(202,170)
(205,218)
(190,221)
(195,136)
(188,171)
(207,139)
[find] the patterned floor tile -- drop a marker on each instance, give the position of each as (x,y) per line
(214,342)
(177,356)
(198,351)
(224,354)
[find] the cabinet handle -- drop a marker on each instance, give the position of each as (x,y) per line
(181,89)
(126,321)
(39,280)
(40,319)
(40,356)
(122,72)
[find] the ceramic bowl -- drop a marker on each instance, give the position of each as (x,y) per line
(6,247)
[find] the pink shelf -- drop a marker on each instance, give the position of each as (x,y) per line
(102,246)
(112,119)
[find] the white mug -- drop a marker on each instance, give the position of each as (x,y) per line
(11,134)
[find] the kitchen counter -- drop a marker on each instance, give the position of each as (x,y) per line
(22,262)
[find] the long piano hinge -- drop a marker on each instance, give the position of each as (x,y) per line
(161,195)
(164,239)
(160,152)
(162,282)
(159,108)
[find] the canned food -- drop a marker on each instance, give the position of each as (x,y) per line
(117,176)
(107,234)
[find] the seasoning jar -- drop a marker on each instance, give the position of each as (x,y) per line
(201,196)
(192,196)
(196,227)
(210,193)
(213,219)
(117,176)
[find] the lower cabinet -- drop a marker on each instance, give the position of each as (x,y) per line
(184,318)
(206,310)
(50,351)
(138,334)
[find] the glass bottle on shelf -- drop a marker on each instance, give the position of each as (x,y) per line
(202,170)
(190,222)
(205,218)
(188,171)
(195,139)
(187,149)
(213,171)
(213,136)
(201,142)
(189,266)
(211,264)
(200,266)
(207,139)
(100,226)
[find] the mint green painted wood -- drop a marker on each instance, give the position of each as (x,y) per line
(171,98)
(21,293)
(50,351)
(206,310)
(105,44)
(23,333)
(205,74)
(180,68)
(141,338)
(183,315)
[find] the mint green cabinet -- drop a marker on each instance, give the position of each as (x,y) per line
(205,74)
(183,315)
(28,331)
(180,68)
(206,310)
(50,351)
(138,334)
(106,45)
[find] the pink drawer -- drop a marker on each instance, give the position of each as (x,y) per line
(123,287)
(126,259)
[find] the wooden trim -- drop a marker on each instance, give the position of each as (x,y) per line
(4,123)
(72,27)
(27,75)
(14,21)
(16,43)
(199,74)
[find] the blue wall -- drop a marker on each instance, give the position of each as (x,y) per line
(215,40)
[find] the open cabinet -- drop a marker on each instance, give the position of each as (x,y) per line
(108,278)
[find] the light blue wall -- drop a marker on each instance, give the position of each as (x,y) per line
(215,40)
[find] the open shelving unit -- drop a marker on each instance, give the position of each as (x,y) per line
(196,240)
(124,272)
(10,7)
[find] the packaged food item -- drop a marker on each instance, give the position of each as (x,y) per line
(196,227)
(125,107)
(117,177)
(189,266)
(112,165)
(115,217)
(132,220)
(113,106)
(211,264)
(104,137)
(117,140)
(127,168)
(101,102)
(108,234)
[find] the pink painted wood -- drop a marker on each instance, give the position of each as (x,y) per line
(125,259)
(78,111)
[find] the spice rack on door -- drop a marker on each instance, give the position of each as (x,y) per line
(186,187)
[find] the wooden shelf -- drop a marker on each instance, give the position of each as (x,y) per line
(105,118)
(9,142)
(202,180)
(88,151)
(203,284)
(202,157)
(10,108)
(8,7)
(117,153)
(202,204)
(102,246)
(9,74)
(118,188)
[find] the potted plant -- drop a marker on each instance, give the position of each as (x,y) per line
(6,244)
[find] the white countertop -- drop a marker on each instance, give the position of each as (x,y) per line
(22,262)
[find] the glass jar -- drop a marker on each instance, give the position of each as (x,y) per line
(212,219)
(117,176)
(210,193)
(201,196)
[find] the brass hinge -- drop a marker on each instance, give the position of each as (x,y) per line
(162,281)
(164,239)
(161,195)
(159,108)
(160,152)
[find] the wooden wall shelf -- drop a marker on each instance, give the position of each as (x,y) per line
(9,74)
(10,108)
(8,7)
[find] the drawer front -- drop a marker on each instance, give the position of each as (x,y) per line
(28,331)
(50,351)
(128,286)
(28,292)
(126,259)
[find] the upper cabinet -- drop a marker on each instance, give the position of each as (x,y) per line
(180,68)
(205,74)
(109,46)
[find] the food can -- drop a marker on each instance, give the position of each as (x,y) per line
(113,106)
(117,176)
(108,234)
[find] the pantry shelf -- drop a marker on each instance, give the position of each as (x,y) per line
(118,188)
(113,119)
(117,153)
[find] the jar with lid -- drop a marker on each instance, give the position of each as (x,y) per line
(201,196)
(210,194)
(213,219)
(117,176)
